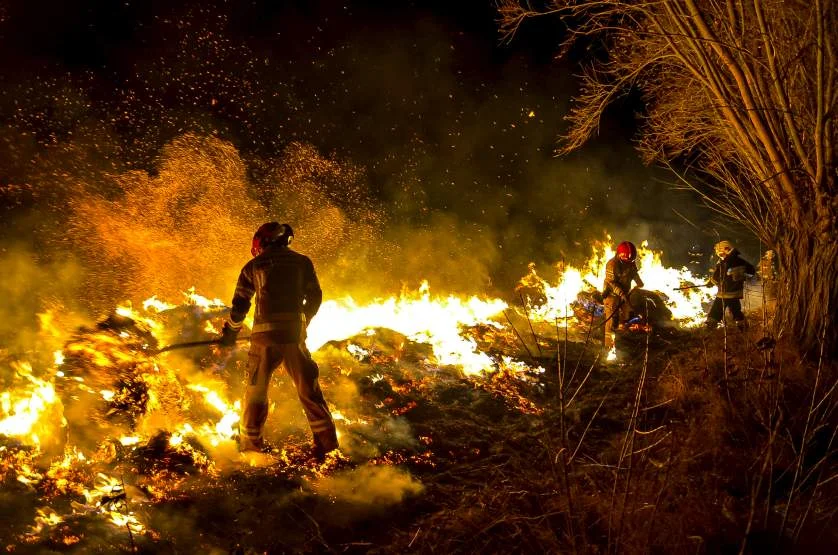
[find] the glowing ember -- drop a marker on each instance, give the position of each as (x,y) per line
(109,499)
(165,420)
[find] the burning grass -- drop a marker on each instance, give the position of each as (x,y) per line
(498,434)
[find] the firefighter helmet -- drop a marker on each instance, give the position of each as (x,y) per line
(627,251)
(723,248)
(269,234)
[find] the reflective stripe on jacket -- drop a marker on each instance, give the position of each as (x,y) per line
(288,294)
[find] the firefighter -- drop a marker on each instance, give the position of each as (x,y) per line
(729,276)
(766,267)
(288,296)
(620,271)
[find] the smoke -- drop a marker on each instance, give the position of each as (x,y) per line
(167,232)
(39,308)
(430,159)
(365,491)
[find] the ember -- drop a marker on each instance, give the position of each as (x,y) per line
(144,428)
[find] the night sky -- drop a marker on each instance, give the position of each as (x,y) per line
(452,131)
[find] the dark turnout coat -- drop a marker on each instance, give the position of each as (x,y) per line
(618,278)
(287,292)
(729,275)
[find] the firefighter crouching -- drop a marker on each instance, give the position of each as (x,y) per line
(288,296)
(620,271)
(729,276)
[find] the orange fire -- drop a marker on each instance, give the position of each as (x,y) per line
(196,410)
(558,299)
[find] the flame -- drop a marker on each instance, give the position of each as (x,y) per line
(44,518)
(156,305)
(227,427)
(193,298)
(22,408)
(437,321)
(108,497)
(127,311)
(31,411)
(557,306)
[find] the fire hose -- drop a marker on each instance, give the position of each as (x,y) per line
(190,344)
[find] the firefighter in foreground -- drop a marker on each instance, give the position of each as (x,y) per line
(729,276)
(288,296)
(620,271)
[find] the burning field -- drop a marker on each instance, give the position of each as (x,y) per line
(125,437)
(461,247)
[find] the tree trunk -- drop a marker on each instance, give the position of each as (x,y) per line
(807,300)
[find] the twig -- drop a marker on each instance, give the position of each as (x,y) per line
(527,314)
(563,451)
(518,335)
(805,439)
(627,450)
(591,421)
(127,522)
(414,537)
(659,496)
(585,379)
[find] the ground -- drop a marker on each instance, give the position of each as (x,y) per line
(662,451)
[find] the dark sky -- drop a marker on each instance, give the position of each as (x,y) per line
(441,117)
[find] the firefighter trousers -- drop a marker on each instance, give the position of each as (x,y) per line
(617,312)
(717,311)
(267,352)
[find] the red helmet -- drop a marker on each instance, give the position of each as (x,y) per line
(271,233)
(627,251)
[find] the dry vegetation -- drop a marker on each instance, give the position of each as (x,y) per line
(742,95)
(695,442)
(690,446)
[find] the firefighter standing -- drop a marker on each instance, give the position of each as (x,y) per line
(620,271)
(288,296)
(729,276)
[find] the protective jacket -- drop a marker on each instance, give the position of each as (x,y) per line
(287,292)
(618,278)
(729,276)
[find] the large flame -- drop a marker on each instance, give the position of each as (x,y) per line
(437,321)
(686,305)
(190,415)
(23,409)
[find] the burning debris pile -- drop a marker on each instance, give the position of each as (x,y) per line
(106,443)
(576,295)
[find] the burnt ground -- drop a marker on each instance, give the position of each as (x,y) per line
(663,451)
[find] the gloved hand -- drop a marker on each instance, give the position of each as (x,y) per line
(228,335)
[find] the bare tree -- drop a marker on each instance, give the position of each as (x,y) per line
(743,91)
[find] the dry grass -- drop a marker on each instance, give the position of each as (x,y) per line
(693,445)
